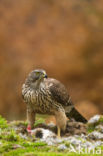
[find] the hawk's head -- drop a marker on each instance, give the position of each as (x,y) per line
(36,76)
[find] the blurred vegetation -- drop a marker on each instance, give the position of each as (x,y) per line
(14,141)
(63,37)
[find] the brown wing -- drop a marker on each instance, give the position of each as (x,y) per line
(58,91)
(60,94)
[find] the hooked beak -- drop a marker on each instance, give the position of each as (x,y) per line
(45,75)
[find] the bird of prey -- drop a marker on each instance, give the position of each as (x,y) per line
(45,95)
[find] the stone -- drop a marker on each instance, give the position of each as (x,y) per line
(94,119)
(87,144)
(95,135)
(73,140)
(99,128)
(62,147)
(98,143)
(24,136)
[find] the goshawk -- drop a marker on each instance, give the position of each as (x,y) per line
(45,95)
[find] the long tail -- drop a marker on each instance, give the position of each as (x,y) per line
(71,112)
(76,115)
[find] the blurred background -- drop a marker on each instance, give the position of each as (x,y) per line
(63,37)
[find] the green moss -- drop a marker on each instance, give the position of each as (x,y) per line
(27,150)
(101,120)
(18,123)
(3,123)
(34,144)
(12,136)
(67,144)
(91,127)
(39,121)
(5,146)
(9,136)
(32,152)
(13,145)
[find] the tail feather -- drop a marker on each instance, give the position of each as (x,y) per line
(76,115)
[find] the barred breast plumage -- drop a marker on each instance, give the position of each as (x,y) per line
(39,100)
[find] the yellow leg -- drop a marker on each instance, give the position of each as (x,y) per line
(60,121)
(58,132)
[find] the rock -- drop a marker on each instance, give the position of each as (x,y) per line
(98,143)
(62,147)
(83,136)
(99,128)
(73,140)
(94,119)
(87,144)
(24,136)
(52,141)
(95,135)
(18,126)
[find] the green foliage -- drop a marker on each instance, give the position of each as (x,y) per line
(34,144)
(3,122)
(12,144)
(18,123)
(32,152)
(67,144)
(91,126)
(9,136)
(39,121)
(101,120)
(5,147)
(12,136)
